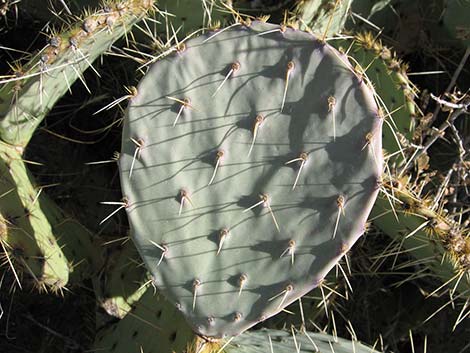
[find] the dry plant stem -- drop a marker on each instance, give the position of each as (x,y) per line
(70,341)
(452,81)
(458,141)
(442,189)
(437,134)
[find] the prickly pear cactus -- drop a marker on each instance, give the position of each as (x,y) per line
(249,165)
(39,240)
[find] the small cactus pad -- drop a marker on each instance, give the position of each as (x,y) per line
(152,325)
(123,280)
(192,15)
(249,166)
(322,17)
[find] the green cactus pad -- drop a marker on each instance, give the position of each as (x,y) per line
(191,15)
(155,326)
(284,341)
(208,170)
(438,242)
(322,17)
(152,325)
(28,237)
(32,91)
(123,283)
(42,242)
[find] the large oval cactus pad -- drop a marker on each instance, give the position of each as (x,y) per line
(250,163)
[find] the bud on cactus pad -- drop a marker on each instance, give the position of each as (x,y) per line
(249,166)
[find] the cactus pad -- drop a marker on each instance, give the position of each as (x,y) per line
(43,243)
(193,15)
(124,279)
(33,90)
(152,325)
(322,17)
(28,236)
(249,166)
(284,341)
